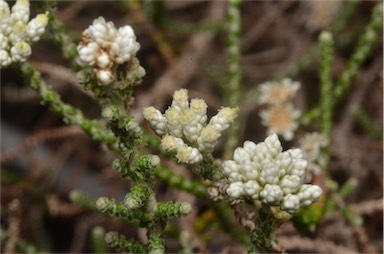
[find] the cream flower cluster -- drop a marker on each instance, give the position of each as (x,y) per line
(184,128)
(263,172)
(103,47)
(16,33)
(280,116)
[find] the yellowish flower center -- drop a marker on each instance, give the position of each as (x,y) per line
(280,119)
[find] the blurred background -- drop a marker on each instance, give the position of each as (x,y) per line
(183,45)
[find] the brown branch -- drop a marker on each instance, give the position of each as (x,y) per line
(37,138)
(368,207)
(304,244)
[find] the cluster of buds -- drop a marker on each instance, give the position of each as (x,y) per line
(280,116)
(16,33)
(103,47)
(264,173)
(184,128)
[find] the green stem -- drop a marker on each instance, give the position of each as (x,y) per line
(326,99)
(233,89)
(70,114)
(56,33)
(263,235)
(174,180)
(98,243)
(363,49)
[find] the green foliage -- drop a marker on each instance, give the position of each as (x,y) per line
(307,219)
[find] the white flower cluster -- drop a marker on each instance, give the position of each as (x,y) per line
(264,173)
(184,127)
(280,116)
(103,46)
(16,33)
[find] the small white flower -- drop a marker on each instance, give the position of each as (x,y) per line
(16,34)
(189,155)
(19,32)
(290,183)
(188,121)
(103,60)
(171,144)
(291,203)
(240,154)
(282,120)
(235,190)
(270,176)
(5,24)
(272,194)
(309,193)
(156,119)
(273,144)
(269,173)
(20,11)
(199,108)
(208,138)
(230,167)
(124,47)
(104,77)
(20,52)
(192,131)
(223,118)
(180,100)
(278,92)
(252,189)
(5,59)
(103,47)
(174,125)
(3,42)
(249,170)
(102,32)
(88,53)
(36,27)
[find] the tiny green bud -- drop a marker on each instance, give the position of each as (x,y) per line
(98,231)
(156,244)
(108,113)
(155,160)
(116,165)
(111,238)
(169,209)
(137,197)
(83,76)
(325,36)
(98,243)
(103,204)
(185,208)
(74,195)
(134,127)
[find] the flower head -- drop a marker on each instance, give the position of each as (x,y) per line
(265,173)
(103,46)
(187,121)
(16,33)
(278,92)
(281,120)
